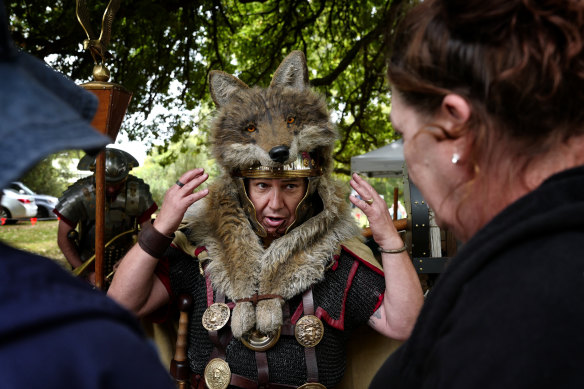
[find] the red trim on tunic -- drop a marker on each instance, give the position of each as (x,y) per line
(340,322)
(64,219)
(369,265)
(297,313)
(162,271)
(199,250)
(336,264)
(372,267)
(147,213)
(379,302)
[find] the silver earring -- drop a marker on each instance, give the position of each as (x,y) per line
(455,158)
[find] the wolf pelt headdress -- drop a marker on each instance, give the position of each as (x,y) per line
(280,131)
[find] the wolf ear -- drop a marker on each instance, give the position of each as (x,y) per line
(292,72)
(222,86)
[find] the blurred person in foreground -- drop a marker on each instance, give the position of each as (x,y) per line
(488,96)
(55,331)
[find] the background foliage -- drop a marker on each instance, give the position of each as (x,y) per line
(164,49)
(164,166)
(53,174)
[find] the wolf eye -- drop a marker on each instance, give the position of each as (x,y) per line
(250,127)
(290,119)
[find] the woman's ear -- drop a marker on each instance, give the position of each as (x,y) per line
(454,113)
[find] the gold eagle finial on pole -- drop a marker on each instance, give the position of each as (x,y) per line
(98,46)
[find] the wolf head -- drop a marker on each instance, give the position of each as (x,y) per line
(271,127)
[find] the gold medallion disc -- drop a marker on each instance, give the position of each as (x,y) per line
(217,374)
(216,316)
(312,385)
(309,330)
(257,341)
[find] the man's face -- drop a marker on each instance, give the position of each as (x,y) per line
(113,189)
(310,333)
(275,201)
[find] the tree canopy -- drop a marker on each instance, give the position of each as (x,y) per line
(162,168)
(163,50)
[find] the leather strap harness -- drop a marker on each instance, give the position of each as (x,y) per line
(220,342)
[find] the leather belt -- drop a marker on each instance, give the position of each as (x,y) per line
(310,352)
(263,369)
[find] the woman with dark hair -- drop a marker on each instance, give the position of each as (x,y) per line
(489,97)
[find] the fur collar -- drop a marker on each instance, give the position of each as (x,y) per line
(240,267)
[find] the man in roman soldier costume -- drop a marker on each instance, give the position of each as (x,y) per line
(269,252)
(129,203)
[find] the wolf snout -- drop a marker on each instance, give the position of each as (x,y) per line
(279,154)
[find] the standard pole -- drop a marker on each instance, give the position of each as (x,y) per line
(99,218)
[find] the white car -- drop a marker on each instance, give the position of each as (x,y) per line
(16,206)
(45,203)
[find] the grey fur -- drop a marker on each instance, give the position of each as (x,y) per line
(222,86)
(234,148)
(292,72)
(246,155)
(243,319)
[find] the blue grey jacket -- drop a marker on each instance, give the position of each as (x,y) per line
(57,332)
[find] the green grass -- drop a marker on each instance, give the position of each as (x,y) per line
(40,238)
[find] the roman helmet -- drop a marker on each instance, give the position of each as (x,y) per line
(118,164)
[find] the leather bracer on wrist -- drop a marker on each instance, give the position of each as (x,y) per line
(154,242)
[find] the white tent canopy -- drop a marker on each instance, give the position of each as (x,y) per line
(387,161)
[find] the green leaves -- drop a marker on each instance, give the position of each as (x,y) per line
(163,51)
